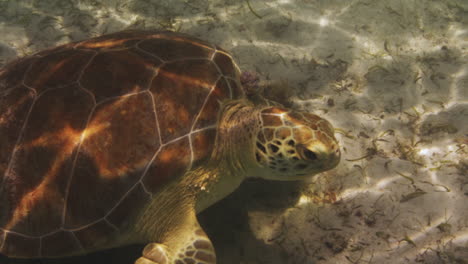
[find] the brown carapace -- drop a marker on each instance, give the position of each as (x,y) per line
(123,138)
(83,125)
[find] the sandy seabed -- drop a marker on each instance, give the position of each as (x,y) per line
(392,77)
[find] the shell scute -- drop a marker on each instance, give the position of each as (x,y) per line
(116,73)
(14,109)
(213,104)
(137,133)
(224,62)
(171,161)
(231,73)
(89,130)
(236,88)
(18,245)
(170,89)
(176,48)
(98,233)
(121,214)
(80,212)
(57,112)
(119,142)
(38,201)
(114,41)
(14,73)
(56,69)
(39,167)
(58,242)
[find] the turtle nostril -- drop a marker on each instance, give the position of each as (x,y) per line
(310,155)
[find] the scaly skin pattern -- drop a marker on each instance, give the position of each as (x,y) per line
(297,141)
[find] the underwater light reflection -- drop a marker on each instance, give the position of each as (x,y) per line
(434,178)
(386,181)
(427,152)
(353,192)
(460,237)
(323,21)
(126,19)
(303,200)
(418,236)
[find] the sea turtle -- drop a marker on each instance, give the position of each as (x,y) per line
(124,138)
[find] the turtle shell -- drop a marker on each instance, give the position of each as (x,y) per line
(89,131)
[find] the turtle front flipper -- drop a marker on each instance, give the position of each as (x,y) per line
(185,246)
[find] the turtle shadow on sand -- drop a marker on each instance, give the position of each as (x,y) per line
(228,223)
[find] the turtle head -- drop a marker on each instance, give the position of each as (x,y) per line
(291,145)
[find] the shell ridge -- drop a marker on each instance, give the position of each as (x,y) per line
(220,51)
(82,73)
(137,46)
(39,248)
(72,170)
(188,59)
(40,253)
(47,234)
(170,142)
(119,97)
(78,242)
(27,236)
(84,226)
(147,168)
(213,55)
(112,225)
(32,237)
(50,89)
(159,139)
(6,232)
(189,166)
(144,187)
(28,70)
(21,133)
(196,120)
(18,140)
(15,147)
(3,238)
(221,73)
(120,201)
(155,116)
(38,59)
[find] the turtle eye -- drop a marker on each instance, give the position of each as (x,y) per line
(308,154)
